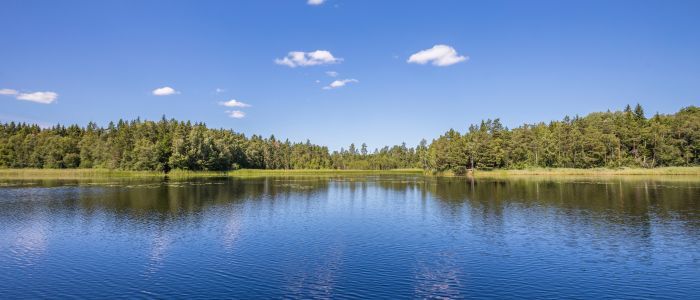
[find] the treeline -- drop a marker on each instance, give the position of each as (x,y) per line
(608,139)
(604,139)
(170,144)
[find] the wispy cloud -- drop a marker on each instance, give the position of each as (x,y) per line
(234,103)
(304,59)
(36,97)
(332,73)
(438,55)
(340,83)
(315,2)
(219,90)
(165,91)
(8,92)
(236,114)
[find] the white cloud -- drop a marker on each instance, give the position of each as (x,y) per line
(339,83)
(219,90)
(8,92)
(315,2)
(165,91)
(332,73)
(304,59)
(439,55)
(234,103)
(236,114)
(38,97)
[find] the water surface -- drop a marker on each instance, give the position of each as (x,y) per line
(351,237)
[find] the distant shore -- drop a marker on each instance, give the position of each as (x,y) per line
(106,173)
(663,171)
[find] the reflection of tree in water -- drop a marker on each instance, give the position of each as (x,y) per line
(614,207)
(640,200)
(452,223)
(167,201)
(608,197)
(619,214)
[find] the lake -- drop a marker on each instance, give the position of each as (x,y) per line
(398,236)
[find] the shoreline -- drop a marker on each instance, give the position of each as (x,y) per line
(662,171)
(9,174)
(19,174)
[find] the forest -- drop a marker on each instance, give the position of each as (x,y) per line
(603,139)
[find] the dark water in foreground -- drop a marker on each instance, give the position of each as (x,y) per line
(350,237)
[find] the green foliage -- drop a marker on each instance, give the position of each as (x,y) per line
(171,145)
(608,139)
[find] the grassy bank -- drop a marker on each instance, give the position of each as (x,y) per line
(105,173)
(72,173)
(668,171)
(326,172)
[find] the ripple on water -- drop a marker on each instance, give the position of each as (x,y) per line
(356,237)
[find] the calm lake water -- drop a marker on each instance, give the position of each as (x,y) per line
(351,237)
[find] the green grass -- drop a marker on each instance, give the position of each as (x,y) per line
(72,173)
(105,173)
(252,172)
(665,171)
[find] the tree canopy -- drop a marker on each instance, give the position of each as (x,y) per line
(603,139)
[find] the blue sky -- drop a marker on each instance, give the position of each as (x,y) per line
(522,61)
